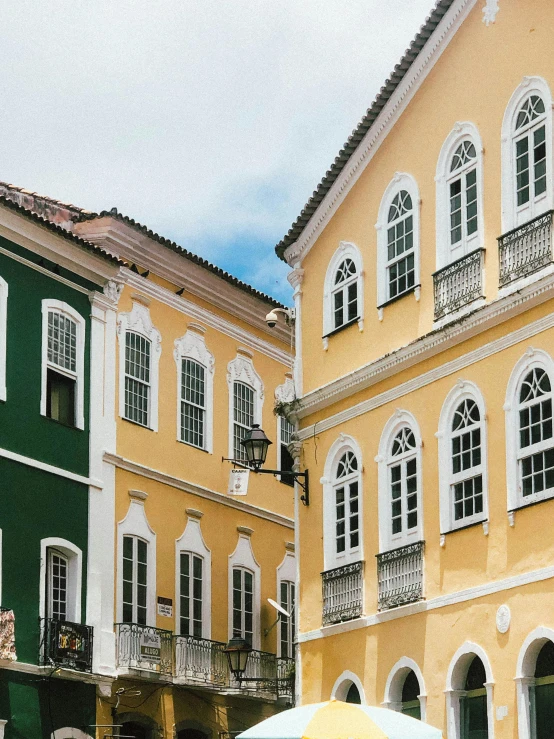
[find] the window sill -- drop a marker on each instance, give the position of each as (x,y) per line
(470,525)
(341,328)
(192,446)
(136,423)
(415,289)
(61,423)
(529,503)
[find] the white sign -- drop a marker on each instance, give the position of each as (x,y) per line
(238,482)
(165,607)
(150,645)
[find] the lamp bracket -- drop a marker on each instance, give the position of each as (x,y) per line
(302,478)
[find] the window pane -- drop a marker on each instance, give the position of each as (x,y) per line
(62,341)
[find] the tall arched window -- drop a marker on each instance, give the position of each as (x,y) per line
(469,687)
(536,445)
(398,240)
(343,290)
(462,197)
(527,153)
(346,489)
(473,708)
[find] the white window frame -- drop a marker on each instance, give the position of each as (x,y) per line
(455,688)
(243,557)
(531,359)
(193,346)
(284,393)
(3,335)
(346,250)
(463,390)
(136,524)
(138,321)
(462,131)
(525,676)
(79,375)
(286,572)
(192,541)
(241,369)
(512,215)
(74,557)
(400,181)
(388,541)
(395,684)
(333,559)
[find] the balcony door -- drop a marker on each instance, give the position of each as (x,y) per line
(57,585)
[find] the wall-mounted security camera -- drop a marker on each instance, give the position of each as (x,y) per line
(272,317)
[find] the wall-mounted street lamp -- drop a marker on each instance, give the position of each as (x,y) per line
(255,445)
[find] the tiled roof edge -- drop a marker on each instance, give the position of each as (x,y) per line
(194,258)
(344,155)
(89,246)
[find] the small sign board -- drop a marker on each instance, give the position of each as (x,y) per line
(150,647)
(238,482)
(165,607)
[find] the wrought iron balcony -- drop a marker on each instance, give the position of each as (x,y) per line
(144,648)
(7,634)
(525,249)
(342,593)
(271,676)
(66,644)
(400,575)
(459,283)
(200,661)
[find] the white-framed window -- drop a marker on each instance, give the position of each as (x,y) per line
(469,694)
(285,462)
(136,578)
(246,395)
(398,240)
(342,500)
(462,458)
(459,179)
(139,356)
(400,491)
(60,580)
(63,362)
(193,580)
(195,373)
(343,297)
(529,430)
(3,335)
(244,593)
(286,597)
(405,689)
(527,153)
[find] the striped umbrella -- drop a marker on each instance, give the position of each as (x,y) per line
(337,720)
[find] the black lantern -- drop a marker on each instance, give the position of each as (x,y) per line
(237,651)
(255,445)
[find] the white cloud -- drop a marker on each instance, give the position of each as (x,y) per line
(211,121)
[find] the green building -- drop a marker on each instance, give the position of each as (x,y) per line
(57,319)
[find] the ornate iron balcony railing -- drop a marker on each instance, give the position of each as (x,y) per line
(400,575)
(7,634)
(200,660)
(459,283)
(525,249)
(66,644)
(144,648)
(342,593)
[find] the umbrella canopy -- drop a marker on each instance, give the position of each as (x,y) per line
(337,720)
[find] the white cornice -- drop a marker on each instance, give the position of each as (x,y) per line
(134,246)
(198,490)
(50,468)
(212,320)
(428,346)
(381,127)
(442,601)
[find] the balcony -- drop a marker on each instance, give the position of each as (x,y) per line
(526,249)
(7,634)
(271,676)
(144,648)
(342,593)
(66,644)
(459,283)
(400,576)
(200,661)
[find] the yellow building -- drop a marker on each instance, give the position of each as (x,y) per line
(424,286)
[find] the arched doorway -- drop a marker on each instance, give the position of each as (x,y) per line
(353,695)
(542,696)
(135,730)
(410,696)
(473,713)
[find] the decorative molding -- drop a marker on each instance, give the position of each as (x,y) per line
(285,393)
(289,546)
(193,513)
(50,468)
(382,126)
(246,530)
(113,290)
(490,12)
(201,492)
(138,495)
(503,618)
(421,349)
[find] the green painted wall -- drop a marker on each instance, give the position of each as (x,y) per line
(22,428)
(35,706)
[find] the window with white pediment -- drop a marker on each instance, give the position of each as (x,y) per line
(195,373)
(343,290)
(193,581)
(246,396)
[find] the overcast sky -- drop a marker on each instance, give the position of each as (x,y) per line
(210,121)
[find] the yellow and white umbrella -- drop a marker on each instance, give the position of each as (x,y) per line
(337,720)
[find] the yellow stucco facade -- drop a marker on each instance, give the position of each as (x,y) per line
(427,566)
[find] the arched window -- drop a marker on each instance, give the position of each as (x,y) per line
(410,696)
(346,489)
(469,687)
(527,153)
(246,394)
(543,694)
(473,709)
(535,685)
(343,290)
(405,689)
(398,240)
(353,695)
(244,591)
(462,197)
(536,446)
